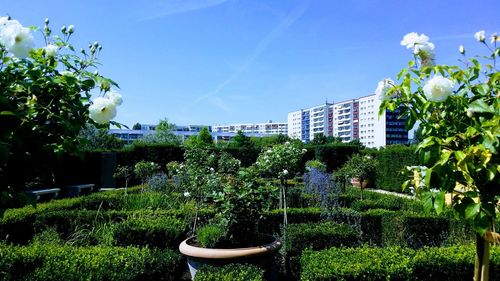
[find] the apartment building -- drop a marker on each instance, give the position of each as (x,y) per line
(268,128)
(349,120)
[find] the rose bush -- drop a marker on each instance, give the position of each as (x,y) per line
(458,109)
(44,102)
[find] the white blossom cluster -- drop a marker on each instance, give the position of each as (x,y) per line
(103,109)
(421,46)
(16,38)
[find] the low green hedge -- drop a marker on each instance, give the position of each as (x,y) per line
(159,232)
(272,221)
(385,228)
(231,272)
(395,263)
(318,236)
(50,262)
(315,236)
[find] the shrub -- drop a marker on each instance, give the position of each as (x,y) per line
(357,264)
(51,262)
(231,272)
(272,220)
(395,263)
(392,162)
(158,182)
(210,236)
(318,236)
(159,232)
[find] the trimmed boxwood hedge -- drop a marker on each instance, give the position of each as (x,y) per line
(395,263)
(230,272)
(160,232)
(271,221)
(392,161)
(50,262)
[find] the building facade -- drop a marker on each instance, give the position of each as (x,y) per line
(268,128)
(355,119)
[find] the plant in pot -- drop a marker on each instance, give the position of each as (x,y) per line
(232,234)
(361,170)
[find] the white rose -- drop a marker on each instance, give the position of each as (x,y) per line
(102,110)
(480,36)
(16,38)
(285,172)
(3,20)
(382,88)
(115,97)
(461,49)
(438,89)
(411,39)
(51,50)
(187,194)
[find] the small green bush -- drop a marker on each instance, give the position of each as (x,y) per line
(231,272)
(357,264)
(271,220)
(159,232)
(318,236)
(210,236)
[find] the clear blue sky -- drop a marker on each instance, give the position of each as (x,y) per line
(235,61)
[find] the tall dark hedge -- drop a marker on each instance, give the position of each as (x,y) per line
(161,154)
(392,161)
(333,155)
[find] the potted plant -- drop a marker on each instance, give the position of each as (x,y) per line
(238,200)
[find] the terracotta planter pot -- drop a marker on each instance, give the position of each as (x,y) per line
(261,256)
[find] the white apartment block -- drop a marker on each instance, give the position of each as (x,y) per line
(295,124)
(349,120)
(269,128)
(372,129)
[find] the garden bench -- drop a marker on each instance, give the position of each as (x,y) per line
(78,189)
(49,193)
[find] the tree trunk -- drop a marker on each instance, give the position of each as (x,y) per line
(482,264)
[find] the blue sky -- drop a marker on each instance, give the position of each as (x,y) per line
(238,61)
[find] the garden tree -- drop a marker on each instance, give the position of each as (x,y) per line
(92,138)
(319,139)
(270,140)
(360,167)
(205,137)
(281,161)
(137,126)
(241,141)
(459,113)
(45,102)
(125,173)
(332,139)
(164,134)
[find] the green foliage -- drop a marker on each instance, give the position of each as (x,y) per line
(163,135)
(315,164)
(158,232)
(361,167)
(318,236)
(334,155)
(395,263)
(230,272)
(458,110)
(123,173)
(241,141)
(92,138)
(52,262)
(203,139)
(281,161)
(145,170)
(137,126)
(272,220)
(357,264)
(210,236)
(391,166)
(44,103)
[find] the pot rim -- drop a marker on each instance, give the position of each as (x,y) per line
(212,253)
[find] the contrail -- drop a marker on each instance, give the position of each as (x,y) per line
(292,17)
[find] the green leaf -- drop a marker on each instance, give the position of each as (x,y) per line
(439,202)
(480,106)
(9,113)
(472,210)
